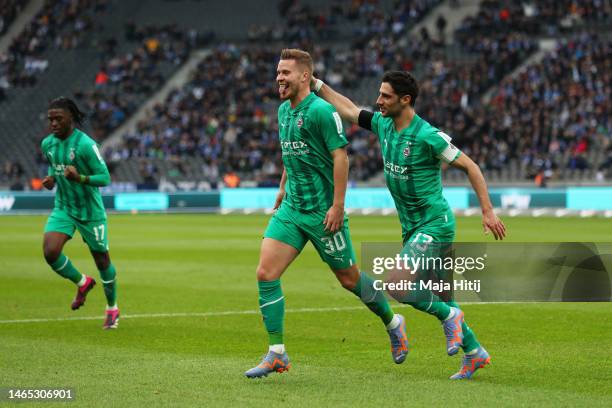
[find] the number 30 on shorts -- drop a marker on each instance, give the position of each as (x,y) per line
(335,243)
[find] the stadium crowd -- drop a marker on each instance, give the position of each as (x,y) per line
(556,111)
(226,113)
(223,115)
(550,117)
(58,25)
(124,81)
(302,24)
(533,17)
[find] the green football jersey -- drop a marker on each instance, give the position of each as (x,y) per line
(81,201)
(308,134)
(412,161)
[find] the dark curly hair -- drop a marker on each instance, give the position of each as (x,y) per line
(69,105)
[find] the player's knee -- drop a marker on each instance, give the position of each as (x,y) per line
(348,278)
(51,252)
(347,283)
(102,261)
(102,265)
(264,273)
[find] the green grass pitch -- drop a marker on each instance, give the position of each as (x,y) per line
(203,266)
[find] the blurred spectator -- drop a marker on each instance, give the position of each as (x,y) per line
(441,27)
(11,170)
(231,179)
(36,184)
(148,173)
(17,185)
(603,171)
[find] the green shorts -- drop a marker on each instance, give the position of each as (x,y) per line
(440,229)
(94,233)
(296,228)
(432,240)
(431,245)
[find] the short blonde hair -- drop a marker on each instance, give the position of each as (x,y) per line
(301,58)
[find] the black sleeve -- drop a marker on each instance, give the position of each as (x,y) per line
(365,119)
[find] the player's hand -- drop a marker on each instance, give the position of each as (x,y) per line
(279,199)
(334,218)
(313,82)
(48,182)
(71,173)
(491,223)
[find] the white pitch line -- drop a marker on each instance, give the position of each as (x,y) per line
(163,315)
(227,313)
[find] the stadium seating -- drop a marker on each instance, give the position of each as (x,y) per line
(223,118)
(8,12)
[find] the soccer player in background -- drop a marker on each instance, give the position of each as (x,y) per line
(77,169)
(310,207)
(412,151)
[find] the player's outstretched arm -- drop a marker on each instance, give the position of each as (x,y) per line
(335,215)
(281,190)
(345,107)
(490,221)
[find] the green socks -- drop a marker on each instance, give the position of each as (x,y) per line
(374,299)
(109,282)
(469,338)
(272,306)
(63,267)
(434,306)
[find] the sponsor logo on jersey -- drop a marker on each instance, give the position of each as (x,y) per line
(59,169)
(294,148)
(396,170)
(298,144)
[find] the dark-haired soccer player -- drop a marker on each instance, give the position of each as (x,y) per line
(77,169)
(310,207)
(412,151)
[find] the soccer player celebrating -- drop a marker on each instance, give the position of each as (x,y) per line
(412,151)
(77,169)
(310,207)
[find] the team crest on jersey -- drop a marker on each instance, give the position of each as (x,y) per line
(71,155)
(407,151)
(300,122)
